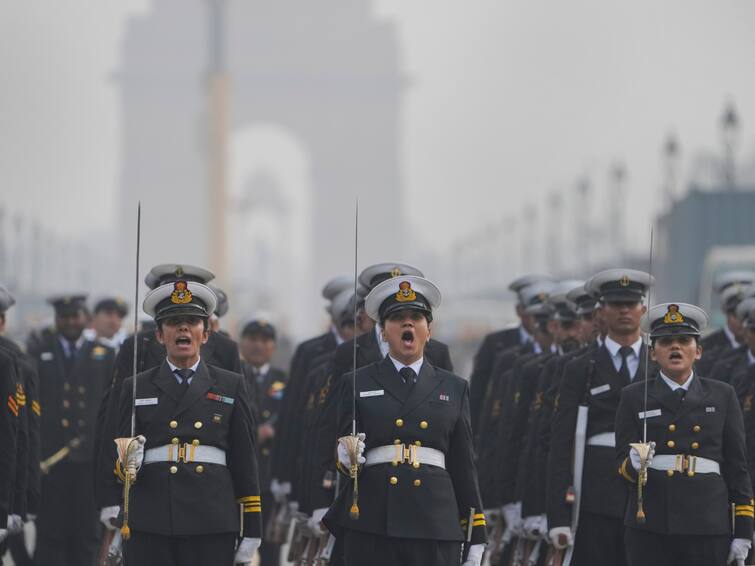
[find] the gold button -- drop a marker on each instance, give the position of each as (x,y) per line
(695,445)
(397,441)
(173,469)
(65,423)
(417,443)
(394,480)
(198,424)
(173,424)
(691,473)
(199,469)
(195,442)
(671,444)
(670,473)
(266,413)
(399,422)
(696,428)
(417,483)
(82,389)
(174,440)
(423,424)
(66,387)
(265,451)
(66,403)
(416,465)
(672,427)
(394,463)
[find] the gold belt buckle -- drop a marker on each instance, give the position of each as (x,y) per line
(182,454)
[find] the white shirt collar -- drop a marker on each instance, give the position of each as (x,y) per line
(750,358)
(337,336)
(263,369)
(416,366)
(67,345)
(614,347)
(175,367)
(730,336)
(674,385)
(600,341)
(524,336)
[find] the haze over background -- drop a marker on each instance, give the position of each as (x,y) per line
(505,103)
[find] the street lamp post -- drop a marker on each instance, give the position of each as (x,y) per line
(730,136)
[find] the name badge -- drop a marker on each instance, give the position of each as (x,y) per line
(649,414)
(376,393)
(710,409)
(46,356)
(600,389)
(145,401)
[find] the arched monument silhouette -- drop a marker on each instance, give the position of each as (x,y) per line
(328,72)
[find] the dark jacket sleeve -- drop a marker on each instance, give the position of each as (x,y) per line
(463,472)
(735,470)
(559,476)
(9,416)
(478,381)
(243,463)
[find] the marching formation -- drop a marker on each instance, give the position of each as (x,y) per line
(603,430)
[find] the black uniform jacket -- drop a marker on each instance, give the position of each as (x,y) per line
(591,379)
(219,351)
(716,346)
(70,396)
(267,398)
(290,429)
(401,501)
(189,498)
(27,485)
(707,423)
(484,361)
(9,424)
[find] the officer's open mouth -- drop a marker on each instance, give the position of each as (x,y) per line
(675,356)
(407,337)
(183,341)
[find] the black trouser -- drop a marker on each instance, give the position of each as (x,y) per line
(652,549)
(68,528)
(269,553)
(149,549)
(365,549)
(599,541)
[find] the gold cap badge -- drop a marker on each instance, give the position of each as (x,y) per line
(624,281)
(405,293)
(181,294)
(395,272)
(673,316)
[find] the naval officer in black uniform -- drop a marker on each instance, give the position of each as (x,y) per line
(197,487)
(698,502)
(418,493)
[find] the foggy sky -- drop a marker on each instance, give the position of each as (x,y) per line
(507,101)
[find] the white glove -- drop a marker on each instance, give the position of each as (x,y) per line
(343,453)
(634,456)
(31,517)
(280,490)
(557,533)
(15,524)
(136,456)
(512,513)
(738,550)
(3,534)
(108,516)
(245,552)
(314,521)
(536,526)
(474,558)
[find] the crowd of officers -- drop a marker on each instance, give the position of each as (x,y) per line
(557,479)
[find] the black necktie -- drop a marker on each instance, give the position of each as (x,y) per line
(408,375)
(624,351)
(680,393)
(185,375)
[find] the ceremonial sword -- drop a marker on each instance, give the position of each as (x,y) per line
(644,448)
